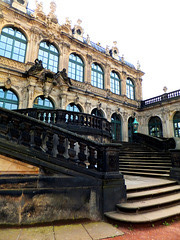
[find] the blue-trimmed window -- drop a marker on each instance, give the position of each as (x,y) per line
(76,68)
(49,56)
(8,99)
(43,103)
(115,83)
(97,76)
(13,44)
(130,89)
(176,123)
(73,108)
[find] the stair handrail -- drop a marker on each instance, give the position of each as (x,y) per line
(59,143)
(160,144)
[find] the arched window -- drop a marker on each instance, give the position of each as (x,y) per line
(96,112)
(76,68)
(73,108)
(130,129)
(115,83)
(8,99)
(176,123)
(97,76)
(13,44)
(49,56)
(130,89)
(43,103)
(116,127)
(155,127)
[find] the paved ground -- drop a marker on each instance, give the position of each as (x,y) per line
(83,231)
(168,229)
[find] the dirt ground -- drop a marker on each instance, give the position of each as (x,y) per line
(168,229)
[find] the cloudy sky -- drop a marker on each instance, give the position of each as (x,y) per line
(147,31)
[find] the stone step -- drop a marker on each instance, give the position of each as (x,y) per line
(145,170)
(153,192)
(144,174)
(127,166)
(145,158)
(144,153)
(149,203)
(145,216)
(146,163)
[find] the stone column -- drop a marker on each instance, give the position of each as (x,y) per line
(32,46)
(87,72)
(123,83)
(107,77)
(124,127)
(64,57)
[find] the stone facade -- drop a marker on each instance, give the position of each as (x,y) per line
(38,27)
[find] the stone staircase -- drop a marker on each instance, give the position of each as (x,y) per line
(135,159)
(149,203)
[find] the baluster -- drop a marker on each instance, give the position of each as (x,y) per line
(37,137)
(42,116)
(25,137)
(91,158)
(71,151)
(81,154)
(60,147)
(100,161)
(46,116)
(49,142)
(13,127)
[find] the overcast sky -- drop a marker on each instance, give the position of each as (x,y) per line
(145,30)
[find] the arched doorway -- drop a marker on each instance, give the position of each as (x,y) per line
(116,127)
(130,129)
(155,127)
(176,123)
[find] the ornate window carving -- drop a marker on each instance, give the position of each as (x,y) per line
(130,89)
(76,68)
(115,83)
(49,56)
(8,99)
(13,44)
(97,76)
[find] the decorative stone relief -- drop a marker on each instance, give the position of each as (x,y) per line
(38,13)
(78,31)
(115,51)
(8,84)
(20,5)
(52,15)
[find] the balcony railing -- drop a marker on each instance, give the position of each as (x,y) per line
(161,98)
(75,121)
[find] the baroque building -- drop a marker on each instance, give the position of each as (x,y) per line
(35,48)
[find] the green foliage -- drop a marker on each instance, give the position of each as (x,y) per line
(166,223)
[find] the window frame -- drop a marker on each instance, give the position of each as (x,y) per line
(114,82)
(49,53)
(5,100)
(78,72)
(130,89)
(11,41)
(176,124)
(95,73)
(43,106)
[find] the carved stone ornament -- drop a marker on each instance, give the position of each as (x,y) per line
(114,52)
(8,83)
(38,13)
(78,31)
(20,5)
(52,15)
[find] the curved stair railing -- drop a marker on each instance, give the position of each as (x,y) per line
(58,143)
(160,144)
